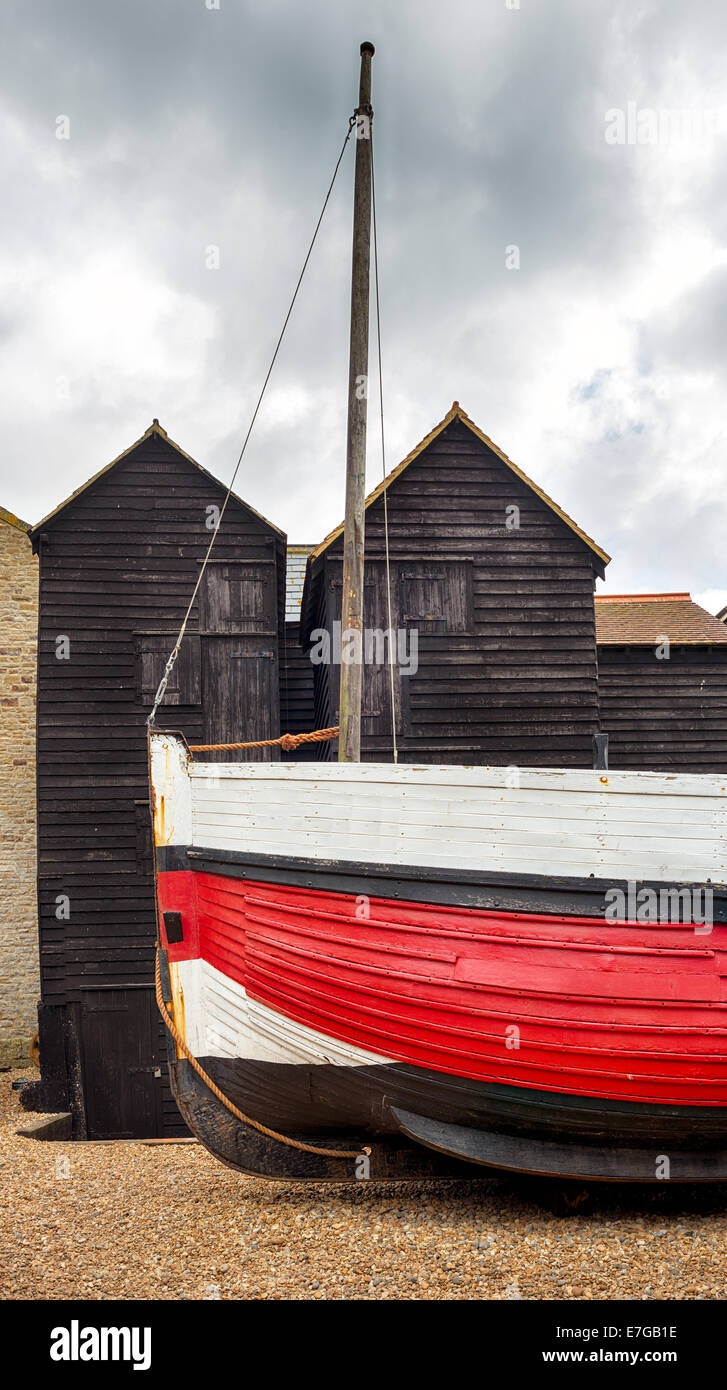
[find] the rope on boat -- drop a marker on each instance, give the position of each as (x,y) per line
(286,741)
(244,1119)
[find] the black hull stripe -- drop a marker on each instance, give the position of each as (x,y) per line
(381,1105)
(319,1096)
(442,887)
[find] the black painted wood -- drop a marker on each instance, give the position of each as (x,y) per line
(297,695)
(521,892)
(409,1120)
(117,567)
(667,715)
(505,616)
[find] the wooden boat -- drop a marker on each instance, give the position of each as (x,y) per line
(376,970)
(424,954)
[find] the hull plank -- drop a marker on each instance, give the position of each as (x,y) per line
(324,1098)
(570,1005)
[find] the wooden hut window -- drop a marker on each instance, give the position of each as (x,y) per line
(185,682)
(437,598)
(238,598)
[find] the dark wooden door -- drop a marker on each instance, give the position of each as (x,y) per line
(240,683)
(124,1077)
(239,636)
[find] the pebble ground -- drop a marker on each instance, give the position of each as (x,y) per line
(129,1220)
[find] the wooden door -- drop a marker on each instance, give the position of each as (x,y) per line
(239,634)
(124,1077)
(241,696)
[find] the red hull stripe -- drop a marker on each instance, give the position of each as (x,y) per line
(555,1003)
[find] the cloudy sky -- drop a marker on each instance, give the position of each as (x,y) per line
(599,365)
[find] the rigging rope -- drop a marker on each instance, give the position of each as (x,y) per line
(286,741)
(175,650)
(383,453)
(244,1119)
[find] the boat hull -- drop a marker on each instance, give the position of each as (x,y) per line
(486,1016)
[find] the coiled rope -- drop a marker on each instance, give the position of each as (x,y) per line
(244,1119)
(286,741)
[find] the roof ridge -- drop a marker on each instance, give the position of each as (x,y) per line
(157,429)
(456,412)
(642,598)
(13,520)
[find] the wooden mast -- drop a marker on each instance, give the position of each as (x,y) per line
(349,743)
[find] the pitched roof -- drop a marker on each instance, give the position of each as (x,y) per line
(154,429)
(13,520)
(457,413)
(296,558)
(643,619)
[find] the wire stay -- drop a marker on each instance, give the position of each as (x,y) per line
(161,690)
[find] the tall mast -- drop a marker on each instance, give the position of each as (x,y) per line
(349,743)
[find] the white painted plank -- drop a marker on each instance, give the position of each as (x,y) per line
(224,1022)
(569,822)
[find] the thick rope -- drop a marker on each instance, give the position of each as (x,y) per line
(383,453)
(286,741)
(161,691)
(244,1119)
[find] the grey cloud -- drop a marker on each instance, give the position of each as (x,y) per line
(193,127)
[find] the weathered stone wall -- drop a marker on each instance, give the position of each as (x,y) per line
(19,977)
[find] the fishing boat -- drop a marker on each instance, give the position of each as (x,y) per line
(385,971)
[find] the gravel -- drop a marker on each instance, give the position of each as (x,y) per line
(129,1220)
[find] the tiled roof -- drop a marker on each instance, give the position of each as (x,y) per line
(644,619)
(297,556)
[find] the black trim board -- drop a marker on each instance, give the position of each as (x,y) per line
(412,883)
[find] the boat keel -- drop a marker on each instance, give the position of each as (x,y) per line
(545,1158)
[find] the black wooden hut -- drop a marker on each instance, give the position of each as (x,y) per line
(498,583)
(662,663)
(118,563)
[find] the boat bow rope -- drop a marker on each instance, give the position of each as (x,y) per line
(244,1119)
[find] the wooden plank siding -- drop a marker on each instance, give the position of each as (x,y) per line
(507,671)
(665,715)
(118,564)
(297,697)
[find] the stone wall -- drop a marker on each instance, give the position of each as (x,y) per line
(19,977)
